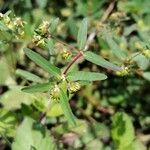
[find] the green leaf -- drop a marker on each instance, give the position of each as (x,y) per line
(82,34)
(37,88)
(32,136)
(115,48)
(66,107)
(122,130)
(86,76)
(55,110)
(42,62)
(98,60)
(141,61)
(50,46)
(13,99)
(53,25)
(146,75)
(136,145)
(71,24)
(27,75)
(3,27)
(7,123)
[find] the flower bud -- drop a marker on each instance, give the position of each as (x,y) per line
(65,54)
(38,40)
(74,87)
(55,92)
(43,28)
(18,22)
(123,72)
(146,53)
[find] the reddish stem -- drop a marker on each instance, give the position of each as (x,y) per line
(73,61)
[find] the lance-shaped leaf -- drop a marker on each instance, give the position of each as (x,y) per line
(86,76)
(98,60)
(53,25)
(27,75)
(37,88)
(82,34)
(115,48)
(42,62)
(66,107)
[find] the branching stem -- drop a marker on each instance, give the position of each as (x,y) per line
(79,54)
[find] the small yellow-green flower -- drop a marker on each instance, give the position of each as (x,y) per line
(74,87)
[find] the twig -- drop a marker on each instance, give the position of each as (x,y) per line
(103,19)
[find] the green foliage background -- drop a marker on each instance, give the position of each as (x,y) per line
(112,114)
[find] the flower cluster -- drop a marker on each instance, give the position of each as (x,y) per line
(14,25)
(41,33)
(144,51)
(71,86)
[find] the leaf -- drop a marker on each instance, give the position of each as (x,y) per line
(50,46)
(12,99)
(7,123)
(136,145)
(146,75)
(42,62)
(141,61)
(3,27)
(115,48)
(55,110)
(71,24)
(37,88)
(82,34)
(98,60)
(86,76)
(66,107)
(27,75)
(32,136)
(53,25)
(122,130)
